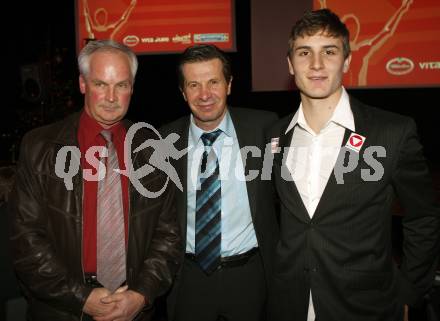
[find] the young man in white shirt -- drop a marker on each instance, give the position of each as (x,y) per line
(338,165)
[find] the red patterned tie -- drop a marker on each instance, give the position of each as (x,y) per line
(110,228)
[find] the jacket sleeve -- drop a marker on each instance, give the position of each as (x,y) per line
(41,274)
(421,220)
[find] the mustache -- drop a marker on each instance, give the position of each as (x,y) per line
(109,105)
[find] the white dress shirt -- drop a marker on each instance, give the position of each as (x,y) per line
(312,156)
(237,229)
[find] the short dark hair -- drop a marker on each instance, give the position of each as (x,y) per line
(199,53)
(320,20)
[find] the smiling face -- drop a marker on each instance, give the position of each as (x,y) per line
(107,88)
(318,64)
(206,89)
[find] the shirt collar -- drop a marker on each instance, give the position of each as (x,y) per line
(342,115)
(91,129)
(225,126)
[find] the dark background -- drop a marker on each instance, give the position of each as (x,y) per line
(42,34)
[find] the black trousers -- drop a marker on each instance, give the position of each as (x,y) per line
(229,294)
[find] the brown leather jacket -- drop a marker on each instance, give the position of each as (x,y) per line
(46,227)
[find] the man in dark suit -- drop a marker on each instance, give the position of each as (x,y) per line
(337,166)
(84,246)
(230,232)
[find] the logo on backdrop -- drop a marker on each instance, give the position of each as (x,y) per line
(399,66)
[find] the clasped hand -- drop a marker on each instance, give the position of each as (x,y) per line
(122,305)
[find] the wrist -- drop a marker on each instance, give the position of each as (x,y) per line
(142,299)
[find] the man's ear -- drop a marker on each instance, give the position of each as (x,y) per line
(347,63)
(290,66)
(82,84)
(183,94)
(230,85)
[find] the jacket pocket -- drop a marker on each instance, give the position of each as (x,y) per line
(59,198)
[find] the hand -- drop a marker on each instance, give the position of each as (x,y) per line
(127,304)
(94,306)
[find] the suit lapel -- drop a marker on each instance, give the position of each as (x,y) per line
(246,136)
(332,186)
(329,196)
(289,194)
(181,166)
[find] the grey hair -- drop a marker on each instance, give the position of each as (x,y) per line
(105,46)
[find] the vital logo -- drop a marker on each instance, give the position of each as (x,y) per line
(399,66)
(429,65)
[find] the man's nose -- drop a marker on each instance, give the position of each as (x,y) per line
(111,94)
(205,92)
(317,61)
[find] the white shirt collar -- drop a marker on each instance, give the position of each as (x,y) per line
(342,115)
(225,126)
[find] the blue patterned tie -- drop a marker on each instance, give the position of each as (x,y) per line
(208,208)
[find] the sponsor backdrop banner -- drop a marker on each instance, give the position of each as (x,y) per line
(156,26)
(394,42)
